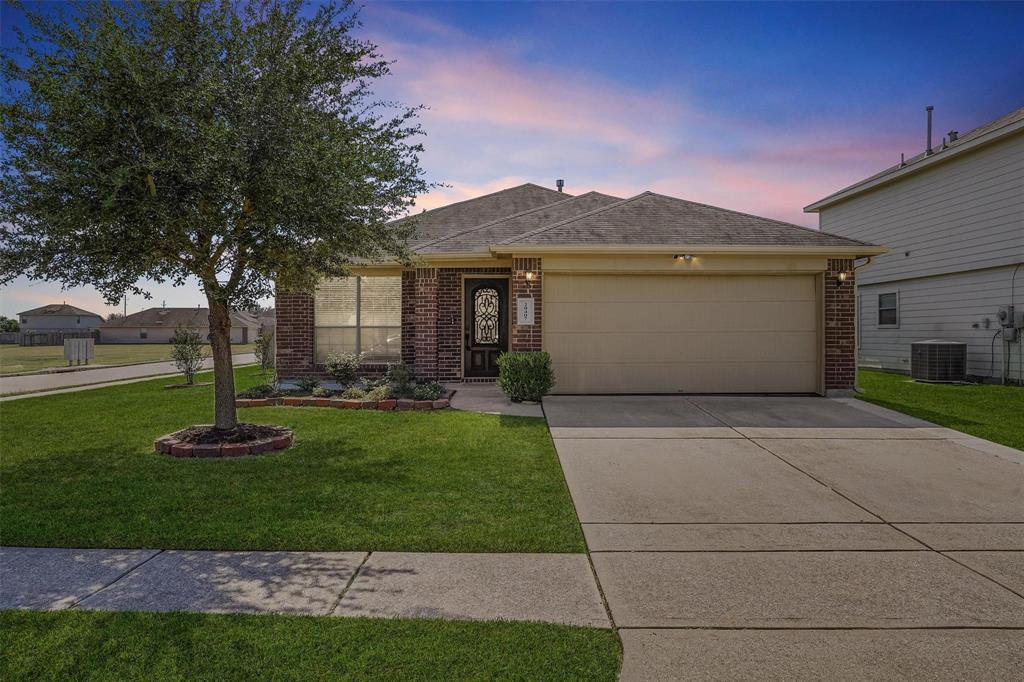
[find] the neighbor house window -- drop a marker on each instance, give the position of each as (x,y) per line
(359,315)
(888,310)
(143,333)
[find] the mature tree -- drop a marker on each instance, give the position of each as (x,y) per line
(235,142)
(8,325)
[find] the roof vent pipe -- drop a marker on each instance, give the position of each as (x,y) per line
(953,135)
(928,149)
(560,184)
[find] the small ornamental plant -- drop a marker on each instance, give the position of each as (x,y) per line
(525,376)
(264,349)
(343,367)
(188,352)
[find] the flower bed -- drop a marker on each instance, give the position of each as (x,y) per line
(204,441)
(348,403)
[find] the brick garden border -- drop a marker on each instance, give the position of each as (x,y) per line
(171,445)
(347,403)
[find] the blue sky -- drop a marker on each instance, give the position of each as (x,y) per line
(759,107)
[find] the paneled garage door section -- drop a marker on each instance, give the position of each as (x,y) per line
(682,333)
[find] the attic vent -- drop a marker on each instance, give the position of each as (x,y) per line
(953,135)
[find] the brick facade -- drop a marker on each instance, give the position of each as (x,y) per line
(432,334)
(840,327)
(294,335)
(526,337)
(425,333)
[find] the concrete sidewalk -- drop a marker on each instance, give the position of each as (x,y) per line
(34,385)
(554,588)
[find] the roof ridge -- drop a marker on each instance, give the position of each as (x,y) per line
(541,230)
(482,196)
(503,219)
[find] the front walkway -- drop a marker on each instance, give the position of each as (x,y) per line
(555,588)
(15,387)
(797,538)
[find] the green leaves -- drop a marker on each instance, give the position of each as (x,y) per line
(237,143)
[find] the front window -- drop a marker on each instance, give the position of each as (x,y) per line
(359,315)
(888,310)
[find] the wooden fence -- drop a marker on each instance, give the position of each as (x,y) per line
(46,338)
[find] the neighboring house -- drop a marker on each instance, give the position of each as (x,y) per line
(954,220)
(267,321)
(58,317)
(157,325)
(644,295)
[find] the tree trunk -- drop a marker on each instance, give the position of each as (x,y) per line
(223,370)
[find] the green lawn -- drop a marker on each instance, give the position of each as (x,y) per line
(78,645)
(78,470)
(988,411)
(29,358)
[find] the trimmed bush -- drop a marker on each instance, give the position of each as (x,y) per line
(307,384)
(344,367)
(260,391)
(525,376)
(379,393)
(428,391)
(353,393)
(400,377)
(321,392)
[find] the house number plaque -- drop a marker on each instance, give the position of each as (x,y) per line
(524,311)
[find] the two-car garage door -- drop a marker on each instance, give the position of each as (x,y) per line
(620,333)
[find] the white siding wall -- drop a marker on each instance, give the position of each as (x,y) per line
(964,214)
(943,307)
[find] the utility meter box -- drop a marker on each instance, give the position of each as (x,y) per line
(1006,316)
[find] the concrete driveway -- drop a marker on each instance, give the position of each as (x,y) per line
(797,538)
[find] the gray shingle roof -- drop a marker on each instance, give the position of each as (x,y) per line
(440,222)
(481,237)
(58,309)
(656,219)
(172,317)
(992,126)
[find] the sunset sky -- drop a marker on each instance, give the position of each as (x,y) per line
(761,108)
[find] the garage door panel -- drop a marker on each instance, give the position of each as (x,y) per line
(682,377)
(682,333)
(621,347)
(681,316)
(647,288)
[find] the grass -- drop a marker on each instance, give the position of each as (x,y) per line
(30,358)
(989,411)
(189,646)
(78,470)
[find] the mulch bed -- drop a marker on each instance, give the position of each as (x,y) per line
(348,403)
(206,441)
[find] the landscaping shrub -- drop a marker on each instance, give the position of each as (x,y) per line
(428,391)
(344,367)
(525,376)
(379,393)
(353,393)
(260,391)
(264,350)
(188,352)
(321,392)
(400,377)
(307,384)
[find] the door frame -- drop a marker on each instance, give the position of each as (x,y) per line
(462,314)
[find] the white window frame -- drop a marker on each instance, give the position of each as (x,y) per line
(879,309)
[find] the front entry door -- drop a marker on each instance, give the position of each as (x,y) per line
(486,320)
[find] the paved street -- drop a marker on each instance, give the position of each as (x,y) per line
(797,538)
(31,383)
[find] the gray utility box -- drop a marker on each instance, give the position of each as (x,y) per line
(938,361)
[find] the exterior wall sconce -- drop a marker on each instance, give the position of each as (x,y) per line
(842,276)
(530,275)
(688,257)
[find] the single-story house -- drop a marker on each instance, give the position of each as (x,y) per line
(157,325)
(650,294)
(953,216)
(58,317)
